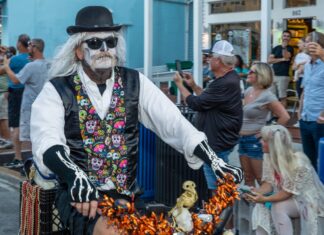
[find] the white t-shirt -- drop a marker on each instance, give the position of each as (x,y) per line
(302,58)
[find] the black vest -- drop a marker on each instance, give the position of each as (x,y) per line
(64,87)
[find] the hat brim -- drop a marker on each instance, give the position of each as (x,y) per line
(206,51)
(78,29)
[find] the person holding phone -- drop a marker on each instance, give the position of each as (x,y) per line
(16,90)
(219,106)
(297,190)
(312,99)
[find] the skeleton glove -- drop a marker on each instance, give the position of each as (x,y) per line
(220,168)
(80,188)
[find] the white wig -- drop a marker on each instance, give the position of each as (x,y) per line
(65,62)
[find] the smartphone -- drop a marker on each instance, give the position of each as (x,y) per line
(245,189)
(178,67)
(314,37)
(8,54)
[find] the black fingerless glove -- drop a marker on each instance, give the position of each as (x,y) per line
(79,186)
(220,168)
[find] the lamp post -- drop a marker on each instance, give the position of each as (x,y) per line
(265,29)
(197,41)
(148,30)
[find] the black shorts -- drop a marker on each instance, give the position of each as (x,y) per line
(14,104)
(78,224)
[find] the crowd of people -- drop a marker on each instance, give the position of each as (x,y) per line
(81,113)
(24,75)
(275,173)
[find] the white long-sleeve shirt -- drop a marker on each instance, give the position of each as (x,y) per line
(156,112)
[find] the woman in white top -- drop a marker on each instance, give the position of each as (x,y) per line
(259,102)
(300,60)
(297,190)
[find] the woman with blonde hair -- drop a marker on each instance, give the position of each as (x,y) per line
(296,189)
(259,103)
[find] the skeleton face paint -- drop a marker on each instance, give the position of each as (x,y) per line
(102,58)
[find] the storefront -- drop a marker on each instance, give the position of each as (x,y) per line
(239,22)
(244,36)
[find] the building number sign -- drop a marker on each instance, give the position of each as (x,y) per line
(296,12)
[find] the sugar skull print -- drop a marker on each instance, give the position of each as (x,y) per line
(96,163)
(103,139)
(116,140)
(121,179)
(114,101)
(91,126)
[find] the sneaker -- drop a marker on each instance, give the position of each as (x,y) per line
(6,144)
(2,141)
(14,164)
(296,124)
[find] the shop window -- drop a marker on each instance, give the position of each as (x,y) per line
(227,6)
(300,3)
(245,37)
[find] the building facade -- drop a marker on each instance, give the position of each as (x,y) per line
(239,22)
(49,19)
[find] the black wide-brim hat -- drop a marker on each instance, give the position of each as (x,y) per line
(93,19)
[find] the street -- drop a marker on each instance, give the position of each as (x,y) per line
(9,207)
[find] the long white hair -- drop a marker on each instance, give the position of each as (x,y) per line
(282,157)
(65,62)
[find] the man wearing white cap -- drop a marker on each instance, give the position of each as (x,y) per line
(219,106)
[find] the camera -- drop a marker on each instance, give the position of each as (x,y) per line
(9,54)
(178,67)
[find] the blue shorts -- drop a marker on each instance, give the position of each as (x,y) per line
(209,174)
(250,145)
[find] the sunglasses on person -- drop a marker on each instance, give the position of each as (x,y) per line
(30,44)
(252,72)
(96,43)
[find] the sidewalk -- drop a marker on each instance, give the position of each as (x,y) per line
(9,191)
(9,194)
(6,155)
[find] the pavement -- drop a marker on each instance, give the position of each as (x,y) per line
(9,206)
(9,191)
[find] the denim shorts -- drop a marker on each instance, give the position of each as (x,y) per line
(209,174)
(250,145)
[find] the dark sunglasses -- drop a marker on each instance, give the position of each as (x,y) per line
(252,72)
(30,44)
(96,43)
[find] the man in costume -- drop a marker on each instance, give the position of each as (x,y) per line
(84,124)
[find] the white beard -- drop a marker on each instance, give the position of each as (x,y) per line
(105,62)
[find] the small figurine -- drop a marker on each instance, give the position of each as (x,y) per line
(180,212)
